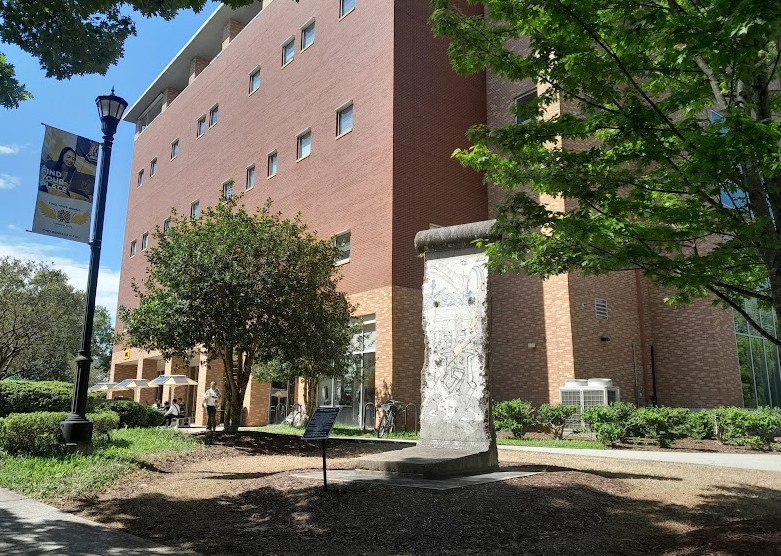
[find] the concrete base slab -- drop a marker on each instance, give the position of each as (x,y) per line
(431,463)
(411,481)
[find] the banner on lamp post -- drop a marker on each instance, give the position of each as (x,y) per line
(66,184)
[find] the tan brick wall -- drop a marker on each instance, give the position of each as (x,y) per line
(379,303)
(256,403)
(229,31)
(208,371)
(147,369)
(197,65)
(408,346)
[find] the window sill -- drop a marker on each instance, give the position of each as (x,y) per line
(287,64)
(343,261)
(303,157)
(343,134)
(271,176)
(341,17)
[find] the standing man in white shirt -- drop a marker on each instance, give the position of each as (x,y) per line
(210,400)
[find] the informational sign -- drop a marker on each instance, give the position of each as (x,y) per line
(66,184)
(321,423)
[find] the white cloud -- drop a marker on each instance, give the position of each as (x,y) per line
(57,257)
(10,149)
(7,181)
(14,228)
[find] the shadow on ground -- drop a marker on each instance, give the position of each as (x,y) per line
(559,512)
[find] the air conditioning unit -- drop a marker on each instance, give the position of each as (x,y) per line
(584,394)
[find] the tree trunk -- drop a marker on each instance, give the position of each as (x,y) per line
(237,375)
(310,398)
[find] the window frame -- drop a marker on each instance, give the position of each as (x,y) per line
(272,156)
(343,260)
(214,115)
(250,171)
(133,248)
(523,99)
(310,24)
(166,225)
(227,185)
(200,126)
(299,145)
(153,167)
(341,110)
(195,209)
(174,148)
(342,12)
(252,74)
(144,241)
(140,178)
(291,41)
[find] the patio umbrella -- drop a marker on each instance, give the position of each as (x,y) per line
(103,387)
(134,383)
(173,380)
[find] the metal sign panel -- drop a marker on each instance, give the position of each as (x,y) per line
(321,423)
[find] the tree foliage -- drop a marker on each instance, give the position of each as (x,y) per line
(665,140)
(246,288)
(75,38)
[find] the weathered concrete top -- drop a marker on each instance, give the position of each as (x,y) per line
(454,237)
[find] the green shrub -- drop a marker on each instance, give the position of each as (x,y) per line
(606,423)
(17,396)
(104,421)
(664,424)
(701,425)
(748,427)
(555,417)
(513,415)
(37,434)
(132,414)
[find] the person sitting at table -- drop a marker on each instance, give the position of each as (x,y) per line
(171,412)
(158,405)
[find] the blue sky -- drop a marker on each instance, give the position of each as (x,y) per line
(70,105)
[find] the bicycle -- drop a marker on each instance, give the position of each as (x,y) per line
(388,419)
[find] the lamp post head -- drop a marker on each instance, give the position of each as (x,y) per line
(110,108)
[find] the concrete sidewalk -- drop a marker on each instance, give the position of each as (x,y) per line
(30,528)
(761,462)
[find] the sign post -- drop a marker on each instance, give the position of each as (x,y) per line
(319,428)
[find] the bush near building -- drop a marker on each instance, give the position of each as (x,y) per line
(515,416)
(21,396)
(132,414)
(36,433)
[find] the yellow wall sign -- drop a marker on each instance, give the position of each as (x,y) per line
(126,354)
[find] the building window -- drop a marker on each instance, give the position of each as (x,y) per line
(521,104)
(140,180)
(251,177)
(227,189)
(195,210)
(150,114)
(272,165)
(133,248)
(304,148)
(200,127)
(307,34)
(144,241)
(254,81)
(153,167)
(345,7)
(342,242)
(344,120)
(174,149)
(166,225)
(214,113)
(288,51)
(600,309)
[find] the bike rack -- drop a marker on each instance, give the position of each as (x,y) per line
(366,412)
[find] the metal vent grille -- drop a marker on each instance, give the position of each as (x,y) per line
(600,308)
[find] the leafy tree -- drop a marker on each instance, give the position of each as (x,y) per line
(74,38)
(247,288)
(102,345)
(40,321)
(666,144)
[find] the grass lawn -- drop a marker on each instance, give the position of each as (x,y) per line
(70,476)
(342,430)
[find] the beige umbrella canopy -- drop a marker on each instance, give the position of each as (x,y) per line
(134,383)
(103,387)
(173,380)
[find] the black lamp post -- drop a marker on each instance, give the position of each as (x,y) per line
(76,429)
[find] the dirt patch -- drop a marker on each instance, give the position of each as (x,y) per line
(238,497)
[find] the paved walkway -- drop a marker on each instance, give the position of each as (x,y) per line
(30,528)
(762,462)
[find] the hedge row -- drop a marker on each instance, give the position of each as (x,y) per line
(622,421)
(21,396)
(37,433)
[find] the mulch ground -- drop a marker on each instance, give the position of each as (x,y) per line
(238,497)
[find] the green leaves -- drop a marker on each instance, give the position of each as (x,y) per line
(661,148)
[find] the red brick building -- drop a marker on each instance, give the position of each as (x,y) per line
(348,112)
